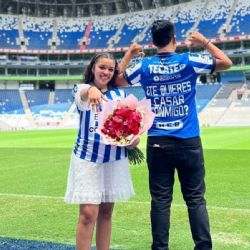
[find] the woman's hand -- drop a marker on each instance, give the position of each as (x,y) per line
(134,144)
(95,98)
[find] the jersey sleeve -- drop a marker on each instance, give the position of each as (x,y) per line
(82,104)
(201,63)
(133,74)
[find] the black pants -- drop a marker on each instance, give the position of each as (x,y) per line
(164,155)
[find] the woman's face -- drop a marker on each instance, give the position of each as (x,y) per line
(103,71)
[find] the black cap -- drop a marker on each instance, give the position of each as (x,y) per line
(162,32)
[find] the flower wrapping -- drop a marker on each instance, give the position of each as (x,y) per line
(122,122)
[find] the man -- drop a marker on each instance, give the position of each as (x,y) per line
(169,81)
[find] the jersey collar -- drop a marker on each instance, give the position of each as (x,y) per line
(166,53)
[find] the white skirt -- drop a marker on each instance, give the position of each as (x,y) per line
(93,183)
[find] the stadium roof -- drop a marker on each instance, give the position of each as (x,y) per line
(79,8)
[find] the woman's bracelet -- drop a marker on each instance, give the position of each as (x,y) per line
(205,44)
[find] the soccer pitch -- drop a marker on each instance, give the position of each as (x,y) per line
(34,167)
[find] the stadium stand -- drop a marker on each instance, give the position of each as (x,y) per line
(8,32)
(44,114)
(228,108)
(230,17)
(204,94)
(215,13)
(10,102)
(227,89)
(133,26)
(63,96)
(37,31)
(38,113)
(186,18)
(103,29)
(241,19)
(37,97)
(69,32)
(235,76)
(49,115)
(62,45)
(163,13)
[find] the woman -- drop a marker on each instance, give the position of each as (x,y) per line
(99,174)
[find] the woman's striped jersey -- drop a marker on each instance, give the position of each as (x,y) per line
(89,145)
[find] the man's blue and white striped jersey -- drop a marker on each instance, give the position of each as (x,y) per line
(169,81)
(88,145)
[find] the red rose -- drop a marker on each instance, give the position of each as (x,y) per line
(122,123)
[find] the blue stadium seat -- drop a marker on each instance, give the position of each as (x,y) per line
(10,102)
(241,19)
(37,97)
(8,39)
(63,96)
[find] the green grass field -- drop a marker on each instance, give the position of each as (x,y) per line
(34,166)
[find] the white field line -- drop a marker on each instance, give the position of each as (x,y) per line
(40,197)
(30,196)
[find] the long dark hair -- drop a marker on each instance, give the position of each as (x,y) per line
(88,74)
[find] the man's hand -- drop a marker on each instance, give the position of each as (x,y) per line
(197,39)
(223,62)
(135,50)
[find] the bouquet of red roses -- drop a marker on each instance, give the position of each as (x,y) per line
(122,122)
